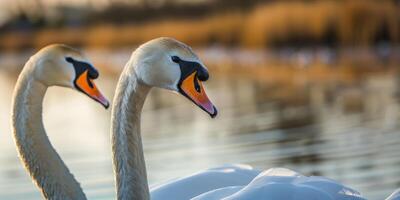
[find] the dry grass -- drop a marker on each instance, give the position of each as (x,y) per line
(357,22)
(347,22)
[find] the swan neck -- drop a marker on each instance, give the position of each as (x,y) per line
(128,157)
(34,148)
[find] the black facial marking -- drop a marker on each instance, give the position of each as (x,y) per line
(81,67)
(188,67)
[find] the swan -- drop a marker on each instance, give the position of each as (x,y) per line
(170,64)
(54,65)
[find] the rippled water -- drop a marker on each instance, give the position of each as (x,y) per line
(348,132)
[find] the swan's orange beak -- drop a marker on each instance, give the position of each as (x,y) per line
(87,86)
(193,89)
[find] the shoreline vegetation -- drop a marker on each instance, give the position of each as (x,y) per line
(274,25)
(291,66)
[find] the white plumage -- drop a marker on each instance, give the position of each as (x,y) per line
(241,182)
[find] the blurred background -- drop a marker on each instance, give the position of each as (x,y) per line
(308,85)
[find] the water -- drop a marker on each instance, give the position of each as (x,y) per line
(348,132)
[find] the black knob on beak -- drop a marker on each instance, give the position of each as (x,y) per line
(202,74)
(93,73)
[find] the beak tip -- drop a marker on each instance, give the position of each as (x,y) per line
(214,114)
(106,105)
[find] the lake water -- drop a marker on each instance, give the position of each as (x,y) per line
(348,132)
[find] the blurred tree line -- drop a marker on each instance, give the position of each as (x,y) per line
(247,23)
(119,12)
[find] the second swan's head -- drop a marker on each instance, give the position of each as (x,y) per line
(64,66)
(170,64)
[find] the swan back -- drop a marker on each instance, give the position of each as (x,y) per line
(204,181)
(281,183)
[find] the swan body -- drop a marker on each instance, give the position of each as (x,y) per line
(281,183)
(172,65)
(55,65)
(241,182)
(204,181)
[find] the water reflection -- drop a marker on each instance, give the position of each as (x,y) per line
(346,131)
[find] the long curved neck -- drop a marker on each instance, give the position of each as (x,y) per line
(128,158)
(37,154)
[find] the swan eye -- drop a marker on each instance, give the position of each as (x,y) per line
(69,59)
(175,59)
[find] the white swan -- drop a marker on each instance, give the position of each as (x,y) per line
(57,65)
(167,63)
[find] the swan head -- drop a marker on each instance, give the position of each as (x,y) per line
(172,65)
(61,65)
